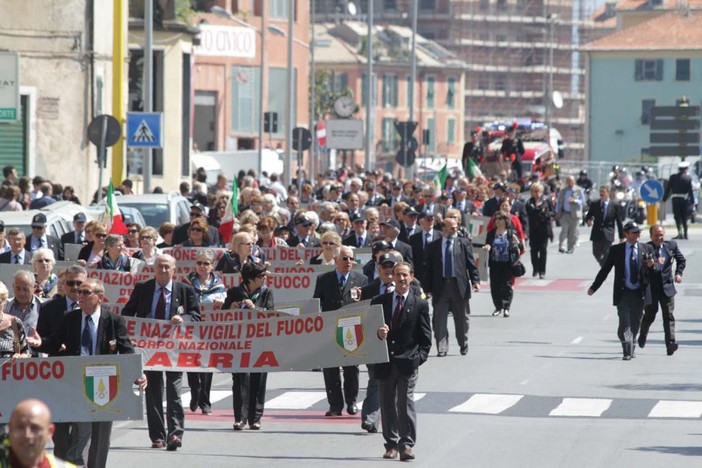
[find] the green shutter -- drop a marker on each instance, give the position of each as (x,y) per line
(13,142)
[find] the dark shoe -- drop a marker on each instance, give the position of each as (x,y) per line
(255,426)
(671,348)
(239,426)
(570,251)
(368,427)
(534,273)
(174,443)
(406,454)
(332,412)
(626,357)
(642,341)
(441,354)
(390,453)
(464,350)
(207,411)
(193,405)
(159,444)
(505,313)
(678,237)
(561,250)
(351,408)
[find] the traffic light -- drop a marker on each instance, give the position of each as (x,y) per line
(270,122)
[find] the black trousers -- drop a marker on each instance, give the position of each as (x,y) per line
(249,396)
(600,249)
(154,405)
(501,285)
(680,206)
(332,383)
(630,312)
(667,308)
(200,384)
(538,247)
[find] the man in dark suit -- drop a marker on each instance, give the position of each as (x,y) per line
(396,196)
(430,204)
(391,232)
(305,236)
(409,224)
(630,281)
(450,273)
(360,237)
(84,332)
(602,217)
(333,289)
(492,205)
(17,255)
(164,299)
(661,287)
(40,238)
(408,336)
(518,208)
(419,241)
(77,236)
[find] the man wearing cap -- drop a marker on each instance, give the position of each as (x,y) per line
(197,210)
(569,210)
(391,232)
(492,205)
(631,261)
(4,244)
(679,189)
(78,234)
(378,248)
(430,204)
(17,255)
(419,242)
(397,196)
(305,236)
(39,238)
(409,224)
(360,237)
(512,150)
(374,198)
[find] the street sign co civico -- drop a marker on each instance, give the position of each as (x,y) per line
(226,41)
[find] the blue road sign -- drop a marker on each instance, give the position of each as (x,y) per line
(651,191)
(144,130)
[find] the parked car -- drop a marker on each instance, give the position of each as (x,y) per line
(155,208)
(56,225)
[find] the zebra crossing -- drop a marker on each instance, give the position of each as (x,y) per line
(494,404)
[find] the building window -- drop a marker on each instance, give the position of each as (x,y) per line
(389,90)
(245,109)
(390,136)
(431,126)
(682,70)
(427,5)
(390,5)
(501,82)
(277,80)
(279,9)
(430,92)
(341,82)
(451,131)
(648,70)
(451,94)
(646,106)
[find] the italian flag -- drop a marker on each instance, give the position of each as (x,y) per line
(226,226)
(113,217)
(473,169)
(440,180)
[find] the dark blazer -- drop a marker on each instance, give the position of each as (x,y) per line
(84,253)
(463,266)
(314,241)
(372,290)
(51,315)
(110,327)
(616,258)
(404,232)
(416,242)
(403,198)
(350,240)
(7,257)
(491,206)
(69,238)
(410,343)
(603,226)
(326,289)
(52,243)
(180,234)
(661,276)
(540,213)
(438,208)
(519,209)
(139,304)
(405,250)
(237,294)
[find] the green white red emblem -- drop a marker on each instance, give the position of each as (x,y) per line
(349,333)
(101,383)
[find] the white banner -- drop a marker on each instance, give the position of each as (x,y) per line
(226,41)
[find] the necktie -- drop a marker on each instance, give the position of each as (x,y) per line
(304,242)
(17,259)
(359,242)
(161,305)
(86,338)
(633,266)
(427,237)
(448,260)
(397,312)
(342,280)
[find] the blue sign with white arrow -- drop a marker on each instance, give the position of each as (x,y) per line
(651,191)
(144,129)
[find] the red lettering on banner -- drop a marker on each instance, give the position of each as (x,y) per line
(289,282)
(300,325)
(131,327)
(245,360)
(258,330)
(225,360)
(159,359)
(189,360)
(32,369)
(267,358)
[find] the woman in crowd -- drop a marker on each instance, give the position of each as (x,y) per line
(132,240)
(89,237)
(248,217)
(13,341)
(540,211)
(505,209)
(166,231)
(239,253)
(256,251)
(373,228)
(214,217)
(9,194)
(114,257)
(306,195)
(210,290)
(147,241)
(249,389)
(266,229)
(342,224)
(25,196)
(331,241)
(46,284)
(198,234)
(70,195)
(502,246)
(93,251)
(270,205)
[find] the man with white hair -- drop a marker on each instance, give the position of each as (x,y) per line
(25,305)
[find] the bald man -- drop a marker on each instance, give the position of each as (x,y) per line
(29,430)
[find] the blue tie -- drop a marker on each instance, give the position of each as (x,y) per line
(86,338)
(448,260)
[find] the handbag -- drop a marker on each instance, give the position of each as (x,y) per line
(518,269)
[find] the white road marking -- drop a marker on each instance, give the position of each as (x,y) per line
(419,396)
(296,400)
(539,283)
(593,407)
(676,409)
(487,404)
(578,340)
(524,382)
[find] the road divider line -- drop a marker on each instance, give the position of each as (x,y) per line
(676,409)
(578,340)
(296,400)
(487,404)
(590,407)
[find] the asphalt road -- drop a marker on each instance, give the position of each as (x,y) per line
(545,387)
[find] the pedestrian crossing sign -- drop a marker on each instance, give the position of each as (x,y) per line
(144,129)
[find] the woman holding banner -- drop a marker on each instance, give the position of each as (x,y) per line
(249,389)
(13,342)
(266,230)
(239,253)
(331,241)
(147,240)
(46,283)
(114,257)
(210,290)
(92,252)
